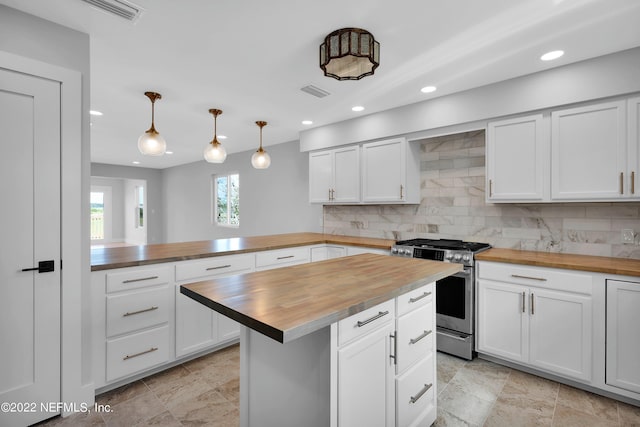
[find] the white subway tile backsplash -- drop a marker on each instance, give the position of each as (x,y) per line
(453,206)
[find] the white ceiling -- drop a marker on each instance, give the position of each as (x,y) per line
(250,58)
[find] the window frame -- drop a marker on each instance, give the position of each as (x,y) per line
(214,201)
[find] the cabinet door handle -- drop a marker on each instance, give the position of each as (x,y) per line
(371,319)
(490,187)
(633,182)
(416,299)
(418,338)
(517,276)
(140,280)
(333,194)
(532,308)
(285,257)
(395,349)
(131,356)
(421,393)
(401,192)
(621,182)
(219,267)
(523,301)
(131,313)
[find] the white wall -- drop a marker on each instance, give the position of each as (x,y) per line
(601,77)
(153,177)
(272,201)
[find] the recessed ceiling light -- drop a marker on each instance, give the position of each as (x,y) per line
(168,152)
(357,108)
(95,113)
(428,89)
(550,56)
(136,162)
(222,137)
(307,122)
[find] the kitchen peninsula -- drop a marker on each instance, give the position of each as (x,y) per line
(333,342)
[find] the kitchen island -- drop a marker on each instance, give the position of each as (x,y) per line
(334,342)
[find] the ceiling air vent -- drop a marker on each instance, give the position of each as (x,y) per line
(315,91)
(120,8)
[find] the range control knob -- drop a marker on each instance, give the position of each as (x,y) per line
(448,255)
(457,257)
(466,258)
(394,250)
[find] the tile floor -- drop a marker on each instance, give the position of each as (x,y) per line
(205,392)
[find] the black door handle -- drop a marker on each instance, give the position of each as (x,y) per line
(43,267)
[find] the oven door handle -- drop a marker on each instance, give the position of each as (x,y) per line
(465,272)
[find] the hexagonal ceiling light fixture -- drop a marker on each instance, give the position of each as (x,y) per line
(349,54)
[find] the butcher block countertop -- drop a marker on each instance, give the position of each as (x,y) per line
(287,303)
(130,256)
(598,264)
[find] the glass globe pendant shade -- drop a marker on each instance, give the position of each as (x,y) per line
(261,159)
(214,152)
(151,143)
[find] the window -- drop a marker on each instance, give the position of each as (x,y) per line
(97,215)
(226,200)
(139,219)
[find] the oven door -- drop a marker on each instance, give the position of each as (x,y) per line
(454,301)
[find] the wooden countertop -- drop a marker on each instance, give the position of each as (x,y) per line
(290,302)
(599,264)
(130,256)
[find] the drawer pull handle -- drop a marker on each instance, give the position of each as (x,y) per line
(532,303)
(517,276)
(131,313)
(426,294)
(285,257)
(140,280)
(219,267)
(415,340)
(371,319)
(131,356)
(395,349)
(425,389)
(523,303)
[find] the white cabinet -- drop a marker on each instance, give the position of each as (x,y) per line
(540,317)
(589,152)
(517,154)
(633,155)
(623,339)
(391,172)
(324,252)
(197,326)
(268,260)
(334,175)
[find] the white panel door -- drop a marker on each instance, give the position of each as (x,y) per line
(589,156)
(623,339)
(560,333)
(517,159)
(30,230)
(502,320)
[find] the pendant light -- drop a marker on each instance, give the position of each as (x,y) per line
(151,143)
(215,152)
(261,159)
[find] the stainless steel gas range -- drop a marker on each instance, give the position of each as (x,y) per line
(455,295)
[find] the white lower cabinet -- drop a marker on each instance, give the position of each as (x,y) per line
(623,339)
(540,317)
(386,363)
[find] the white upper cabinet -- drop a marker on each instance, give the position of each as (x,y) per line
(517,159)
(589,153)
(334,175)
(390,172)
(633,162)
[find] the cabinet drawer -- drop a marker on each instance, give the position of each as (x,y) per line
(214,266)
(134,279)
(365,321)
(137,352)
(137,310)
(415,336)
(414,299)
(415,391)
(282,257)
(541,277)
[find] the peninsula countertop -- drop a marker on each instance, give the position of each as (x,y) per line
(131,256)
(598,264)
(288,303)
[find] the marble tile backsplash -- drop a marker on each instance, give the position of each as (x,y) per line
(453,206)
